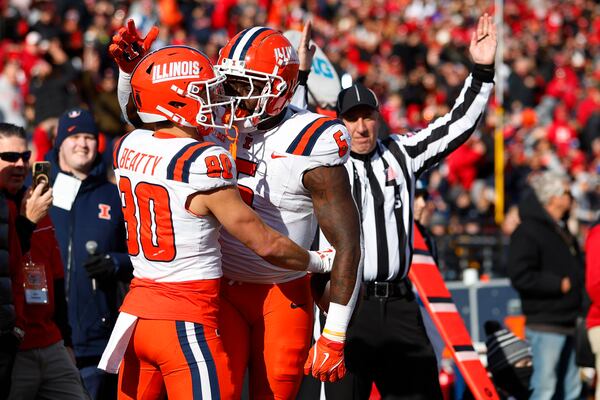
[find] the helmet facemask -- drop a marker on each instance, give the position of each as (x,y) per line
(213,104)
(245,85)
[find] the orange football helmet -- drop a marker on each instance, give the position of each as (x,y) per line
(179,84)
(267,63)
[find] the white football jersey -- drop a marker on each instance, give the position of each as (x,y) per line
(270,168)
(155,174)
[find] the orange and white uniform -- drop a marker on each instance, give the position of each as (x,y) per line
(169,327)
(266,311)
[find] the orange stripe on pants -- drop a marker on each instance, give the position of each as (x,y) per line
(268,329)
(182,359)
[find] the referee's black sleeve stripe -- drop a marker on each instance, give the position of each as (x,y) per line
(453,145)
(460,111)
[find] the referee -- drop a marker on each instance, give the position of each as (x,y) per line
(387,343)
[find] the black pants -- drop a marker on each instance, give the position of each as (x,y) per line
(387,344)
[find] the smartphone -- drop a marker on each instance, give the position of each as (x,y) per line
(41,174)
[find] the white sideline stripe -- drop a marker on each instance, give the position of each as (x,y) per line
(467,355)
(422,259)
(443,307)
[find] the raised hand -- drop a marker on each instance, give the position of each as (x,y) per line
(484,41)
(306,50)
(128,48)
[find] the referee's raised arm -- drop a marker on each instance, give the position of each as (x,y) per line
(440,138)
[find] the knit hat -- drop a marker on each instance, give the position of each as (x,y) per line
(504,349)
(73,122)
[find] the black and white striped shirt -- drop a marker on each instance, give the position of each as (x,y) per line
(388,229)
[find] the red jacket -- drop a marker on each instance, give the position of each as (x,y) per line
(592,275)
(39,319)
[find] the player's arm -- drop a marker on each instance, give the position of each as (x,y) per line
(306,51)
(127,49)
(245,225)
(338,218)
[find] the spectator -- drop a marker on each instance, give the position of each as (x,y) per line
(546,268)
(592,284)
(43,367)
(88,219)
(509,361)
(11,107)
(11,328)
(52,86)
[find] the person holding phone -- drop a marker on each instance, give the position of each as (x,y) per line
(44,365)
(87,215)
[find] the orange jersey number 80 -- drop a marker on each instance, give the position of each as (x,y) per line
(154,210)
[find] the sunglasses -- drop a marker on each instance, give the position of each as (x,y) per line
(13,156)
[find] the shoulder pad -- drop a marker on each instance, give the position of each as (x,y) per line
(204,166)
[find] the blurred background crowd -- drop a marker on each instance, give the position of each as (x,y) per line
(413,53)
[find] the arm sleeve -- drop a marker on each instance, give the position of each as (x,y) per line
(24,229)
(430,145)
(15,269)
(524,268)
(300,98)
(123,93)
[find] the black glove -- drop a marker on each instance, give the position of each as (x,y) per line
(99,266)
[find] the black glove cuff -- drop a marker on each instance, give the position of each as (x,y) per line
(484,72)
(303,77)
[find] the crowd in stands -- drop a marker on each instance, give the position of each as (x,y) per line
(413,53)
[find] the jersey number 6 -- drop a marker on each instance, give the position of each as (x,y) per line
(156,235)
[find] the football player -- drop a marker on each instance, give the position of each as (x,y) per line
(290,171)
(177,189)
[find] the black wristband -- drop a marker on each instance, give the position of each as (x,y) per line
(303,77)
(484,72)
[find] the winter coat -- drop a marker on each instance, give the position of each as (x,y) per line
(94,216)
(541,254)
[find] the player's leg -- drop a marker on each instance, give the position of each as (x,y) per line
(194,364)
(235,335)
(139,379)
(277,369)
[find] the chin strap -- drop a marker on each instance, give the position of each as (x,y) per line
(233,140)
